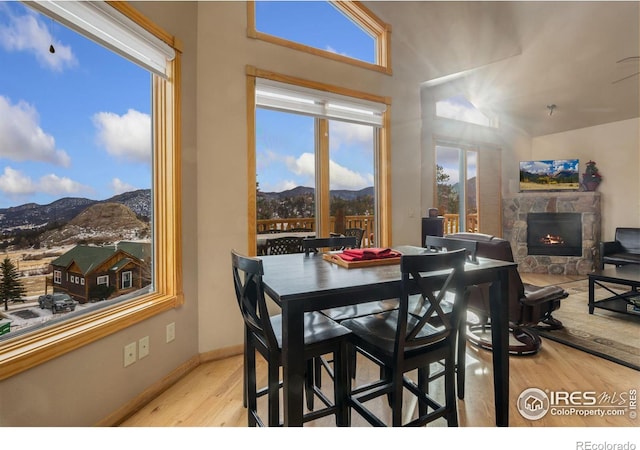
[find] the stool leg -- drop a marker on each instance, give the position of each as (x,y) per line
(462,357)
(274,395)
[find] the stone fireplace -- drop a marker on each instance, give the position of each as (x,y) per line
(553,232)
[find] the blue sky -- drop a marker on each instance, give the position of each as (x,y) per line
(285,141)
(78,120)
(549,166)
(96,145)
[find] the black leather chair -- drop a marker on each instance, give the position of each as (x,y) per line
(401,341)
(263,334)
(529,306)
(624,249)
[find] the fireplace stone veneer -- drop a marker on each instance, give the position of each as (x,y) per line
(516,207)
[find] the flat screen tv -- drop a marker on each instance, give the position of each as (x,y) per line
(549,175)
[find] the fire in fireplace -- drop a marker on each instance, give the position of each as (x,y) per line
(554,234)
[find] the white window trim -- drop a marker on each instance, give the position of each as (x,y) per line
(57,277)
(103,279)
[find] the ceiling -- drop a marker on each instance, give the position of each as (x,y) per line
(516,58)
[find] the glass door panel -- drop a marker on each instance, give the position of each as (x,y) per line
(457,201)
(351,180)
(285,178)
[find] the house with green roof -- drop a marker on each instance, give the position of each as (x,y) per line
(91,273)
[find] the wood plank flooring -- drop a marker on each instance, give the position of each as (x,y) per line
(211,395)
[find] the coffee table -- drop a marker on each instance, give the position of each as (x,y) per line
(627,275)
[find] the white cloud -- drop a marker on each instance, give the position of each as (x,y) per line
(27,33)
(341,177)
(118,186)
(54,185)
(16,184)
(22,139)
(345,133)
(333,50)
(454,175)
(283,185)
(304,165)
(127,136)
(265,158)
(539,167)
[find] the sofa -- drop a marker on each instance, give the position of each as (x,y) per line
(625,249)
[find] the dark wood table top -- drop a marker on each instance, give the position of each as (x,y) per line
(628,273)
(308,277)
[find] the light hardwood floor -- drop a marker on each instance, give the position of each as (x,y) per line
(211,395)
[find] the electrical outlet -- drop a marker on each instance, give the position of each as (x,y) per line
(143,347)
(171,331)
(129,354)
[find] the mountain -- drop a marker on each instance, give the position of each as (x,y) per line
(99,223)
(308,191)
(32,215)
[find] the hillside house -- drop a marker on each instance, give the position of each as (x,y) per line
(89,273)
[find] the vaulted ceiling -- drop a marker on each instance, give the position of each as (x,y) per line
(516,58)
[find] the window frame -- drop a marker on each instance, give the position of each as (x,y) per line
(382,157)
(359,14)
(36,347)
(102,279)
(57,277)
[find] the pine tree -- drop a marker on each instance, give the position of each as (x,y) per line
(11,288)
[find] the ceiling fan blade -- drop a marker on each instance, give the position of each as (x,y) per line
(627,59)
(629,76)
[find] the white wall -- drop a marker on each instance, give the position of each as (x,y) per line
(615,147)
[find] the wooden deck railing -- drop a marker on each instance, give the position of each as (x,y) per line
(309,223)
(452,223)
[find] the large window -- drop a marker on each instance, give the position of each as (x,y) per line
(320,157)
(344,31)
(460,108)
(62,143)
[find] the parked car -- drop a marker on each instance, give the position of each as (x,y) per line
(57,302)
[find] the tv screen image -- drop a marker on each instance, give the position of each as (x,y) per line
(549,175)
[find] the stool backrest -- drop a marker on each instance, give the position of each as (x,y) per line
(247,280)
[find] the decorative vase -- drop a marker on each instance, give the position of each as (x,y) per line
(591,185)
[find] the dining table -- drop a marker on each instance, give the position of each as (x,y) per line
(300,283)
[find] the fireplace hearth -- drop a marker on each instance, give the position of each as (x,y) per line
(554,234)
